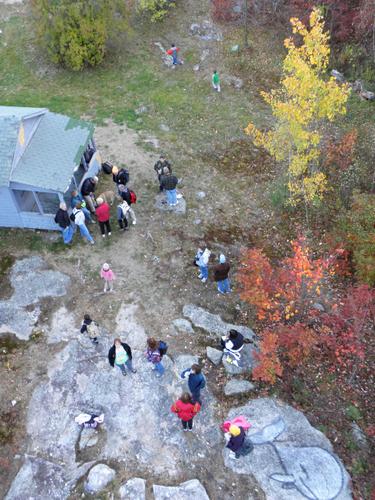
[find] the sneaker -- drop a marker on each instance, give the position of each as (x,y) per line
(134,222)
(200,276)
(109,234)
(134,370)
(190,430)
(203,280)
(124,373)
(185,430)
(92,242)
(105,290)
(233,455)
(103,235)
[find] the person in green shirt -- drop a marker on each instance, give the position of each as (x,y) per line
(216,81)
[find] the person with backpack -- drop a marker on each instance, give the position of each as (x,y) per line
(169,183)
(236,442)
(79,219)
(103,213)
(120,355)
(216,81)
(78,198)
(108,276)
(196,382)
(91,327)
(154,354)
(88,189)
(232,344)
(173,51)
(186,410)
(130,197)
(63,220)
(159,167)
(122,215)
(202,261)
(89,421)
(120,176)
(221,272)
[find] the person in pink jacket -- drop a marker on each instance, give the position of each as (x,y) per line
(108,276)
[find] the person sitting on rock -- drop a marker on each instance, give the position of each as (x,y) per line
(159,167)
(169,183)
(91,327)
(120,355)
(233,343)
(221,272)
(235,439)
(196,382)
(186,410)
(89,421)
(154,356)
(88,190)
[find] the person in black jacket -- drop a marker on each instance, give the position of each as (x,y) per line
(63,220)
(120,355)
(120,176)
(169,183)
(159,167)
(87,190)
(236,442)
(232,344)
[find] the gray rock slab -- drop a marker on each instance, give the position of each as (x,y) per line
(190,490)
(245,364)
(184,361)
(213,323)
(183,325)
(161,204)
(214,355)
(98,478)
(62,327)
(237,386)
(291,460)
(359,437)
(134,489)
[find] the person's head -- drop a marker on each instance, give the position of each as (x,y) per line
(121,188)
(63,205)
(99,201)
(222,258)
(185,397)
(234,430)
(117,342)
(87,317)
(233,334)
(152,343)
(166,171)
(173,45)
(95,179)
(74,193)
(105,267)
(215,71)
(162,158)
(114,170)
(78,205)
(196,369)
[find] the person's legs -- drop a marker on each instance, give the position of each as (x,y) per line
(108,227)
(102,228)
(132,216)
(123,369)
(169,194)
(90,203)
(190,424)
(226,283)
(129,365)
(196,397)
(105,285)
(184,425)
(67,234)
(221,286)
(159,368)
(110,285)
(174,196)
(85,233)
(218,88)
(204,273)
(87,214)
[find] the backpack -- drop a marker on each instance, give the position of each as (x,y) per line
(163,348)
(124,208)
(72,217)
(93,330)
(107,167)
(133,197)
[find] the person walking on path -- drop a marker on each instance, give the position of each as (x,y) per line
(120,176)
(122,215)
(63,220)
(186,410)
(130,197)
(221,272)
(216,81)
(196,382)
(103,213)
(169,183)
(235,441)
(78,198)
(173,51)
(202,261)
(159,167)
(120,355)
(79,219)
(108,276)
(232,344)
(154,356)
(91,327)
(88,190)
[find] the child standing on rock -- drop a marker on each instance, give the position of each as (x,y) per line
(92,328)
(108,276)
(186,410)
(154,356)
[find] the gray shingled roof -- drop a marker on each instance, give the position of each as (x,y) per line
(9,126)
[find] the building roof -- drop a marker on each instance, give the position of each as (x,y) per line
(51,154)
(9,126)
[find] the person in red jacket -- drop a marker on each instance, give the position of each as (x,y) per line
(103,213)
(186,410)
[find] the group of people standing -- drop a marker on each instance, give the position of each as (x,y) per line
(221,270)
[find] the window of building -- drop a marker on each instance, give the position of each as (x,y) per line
(49,202)
(79,172)
(26,201)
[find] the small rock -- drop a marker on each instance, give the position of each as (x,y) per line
(236,386)
(183,325)
(153,141)
(134,489)
(357,86)
(367,95)
(318,307)
(200,195)
(194,28)
(338,76)
(190,490)
(14,402)
(196,67)
(197,221)
(98,478)
(142,109)
(214,355)
(235,48)
(164,127)
(359,437)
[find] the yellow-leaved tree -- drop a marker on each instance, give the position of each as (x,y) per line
(306,98)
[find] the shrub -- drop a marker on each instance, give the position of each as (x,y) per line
(156,9)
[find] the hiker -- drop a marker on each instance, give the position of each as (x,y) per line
(103,212)
(173,51)
(196,382)
(120,355)
(92,328)
(108,276)
(159,166)
(221,272)
(122,215)
(87,189)
(216,81)
(232,344)
(79,219)
(63,220)
(169,183)
(186,410)
(202,259)
(78,198)
(120,176)
(235,439)
(130,197)
(154,354)
(87,420)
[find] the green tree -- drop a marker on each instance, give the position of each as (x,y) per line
(155,9)
(75,33)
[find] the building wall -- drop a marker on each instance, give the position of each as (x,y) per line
(9,216)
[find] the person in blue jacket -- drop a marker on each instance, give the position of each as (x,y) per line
(196,382)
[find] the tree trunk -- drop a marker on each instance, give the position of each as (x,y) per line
(246,27)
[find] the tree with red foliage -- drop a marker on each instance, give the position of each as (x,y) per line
(222,10)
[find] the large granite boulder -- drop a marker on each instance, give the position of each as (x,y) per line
(190,490)
(99,477)
(245,364)
(236,386)
(291,460)
(133,489)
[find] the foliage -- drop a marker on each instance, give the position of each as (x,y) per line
(222,10)
(155,9)
(353,413)
(303,102)
(75,32)
(339,155)
(269,366)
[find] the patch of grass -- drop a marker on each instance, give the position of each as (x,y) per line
(353,413)
(359,467)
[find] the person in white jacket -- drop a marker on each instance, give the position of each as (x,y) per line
(202,262)
(79,220)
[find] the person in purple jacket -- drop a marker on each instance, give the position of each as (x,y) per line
(154,356)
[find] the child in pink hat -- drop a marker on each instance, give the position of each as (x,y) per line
(108,276)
